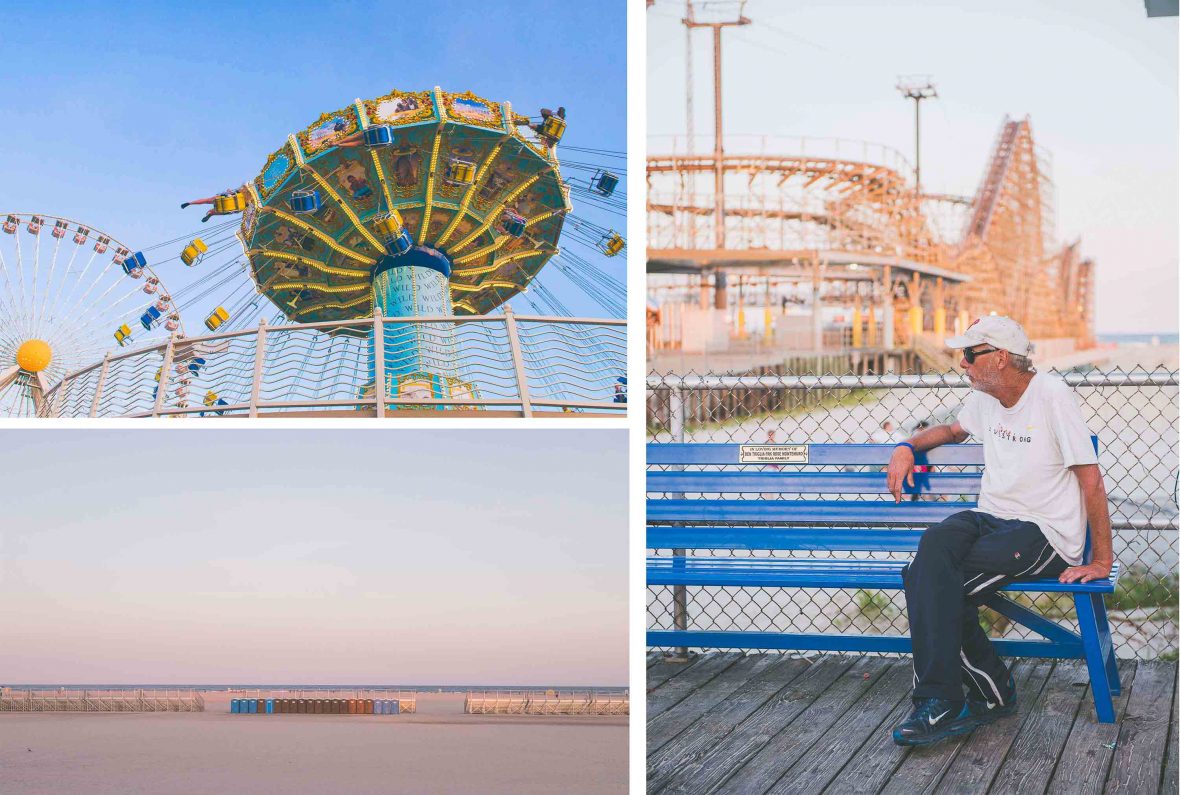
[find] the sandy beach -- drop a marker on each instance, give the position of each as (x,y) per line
(436,750)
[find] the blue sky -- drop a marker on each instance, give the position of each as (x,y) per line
(1097,77)
(316,557)
(114,113)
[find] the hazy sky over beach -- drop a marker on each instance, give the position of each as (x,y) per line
(116,113)
(275,556)
(1098,79)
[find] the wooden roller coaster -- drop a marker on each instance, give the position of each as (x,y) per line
(849,220)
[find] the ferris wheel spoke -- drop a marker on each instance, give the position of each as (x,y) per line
(80,279)
(52,272)
(20,270)
(93,255)
(106,310)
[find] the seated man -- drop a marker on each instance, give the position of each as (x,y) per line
(1040,485)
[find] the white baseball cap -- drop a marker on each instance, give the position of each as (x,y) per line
(1002,332)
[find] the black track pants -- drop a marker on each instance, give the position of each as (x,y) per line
(961,561)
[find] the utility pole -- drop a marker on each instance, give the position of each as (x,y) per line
(691,22)
(917,88)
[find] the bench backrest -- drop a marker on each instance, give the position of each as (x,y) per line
(870,521)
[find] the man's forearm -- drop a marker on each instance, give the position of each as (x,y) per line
(1097,513)
(930,438)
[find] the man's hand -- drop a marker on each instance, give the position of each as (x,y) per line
(901,468)
(1093,571)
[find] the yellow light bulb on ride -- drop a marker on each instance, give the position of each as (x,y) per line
(34,355)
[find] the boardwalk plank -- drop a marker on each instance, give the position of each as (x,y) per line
(822,762)
(1085,760)
(681,686)
(752,734)
(923,768)
(767,766)
(665,669)
(736,730)
(1139,756)
(1034,755)
(704,735)
(665,726)
(876,760)
(1169,784)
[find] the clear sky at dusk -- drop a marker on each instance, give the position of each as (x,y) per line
(114,113)
(314,557)
(1097,78)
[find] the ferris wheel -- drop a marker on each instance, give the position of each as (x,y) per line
(69,293)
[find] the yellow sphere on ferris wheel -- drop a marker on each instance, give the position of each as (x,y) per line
(34,355)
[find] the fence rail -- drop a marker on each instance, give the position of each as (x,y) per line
(101,701)
(495,364)
(1133,413)
(546,702)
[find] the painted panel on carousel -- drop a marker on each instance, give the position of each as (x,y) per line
(467,108)
(328,130)
(400,107)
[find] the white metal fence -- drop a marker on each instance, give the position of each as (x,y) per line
(101,701)
(503,364)
(546,702)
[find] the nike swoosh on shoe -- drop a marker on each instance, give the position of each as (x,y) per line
(933,721)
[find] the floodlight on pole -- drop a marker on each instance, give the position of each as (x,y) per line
(917,88)
(718,21)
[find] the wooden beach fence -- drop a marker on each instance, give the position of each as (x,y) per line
(546,702)
(140,700)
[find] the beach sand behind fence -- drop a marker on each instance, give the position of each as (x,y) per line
(436,750)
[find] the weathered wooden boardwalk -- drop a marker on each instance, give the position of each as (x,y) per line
(727,722)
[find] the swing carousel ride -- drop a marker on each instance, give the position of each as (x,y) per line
(428,208)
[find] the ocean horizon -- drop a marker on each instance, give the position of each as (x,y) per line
(1148,338)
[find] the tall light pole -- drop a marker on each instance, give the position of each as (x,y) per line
(718,147)
(917,88)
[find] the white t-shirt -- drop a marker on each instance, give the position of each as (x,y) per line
(1027,450)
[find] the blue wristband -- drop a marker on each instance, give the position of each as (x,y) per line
(905,444)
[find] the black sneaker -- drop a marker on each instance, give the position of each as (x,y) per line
(933,720)
(985,711)
(183,205)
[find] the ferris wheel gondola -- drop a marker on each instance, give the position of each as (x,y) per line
(67,298)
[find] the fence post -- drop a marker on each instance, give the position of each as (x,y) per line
(259,361)
(379,361)
(679,592)
(522,383)
(165,371)
(102,378)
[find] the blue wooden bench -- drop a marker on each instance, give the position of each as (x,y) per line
(861,522)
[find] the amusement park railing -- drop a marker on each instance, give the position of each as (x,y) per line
(502,364)
(1134,415)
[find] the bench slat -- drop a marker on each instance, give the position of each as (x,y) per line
(810,573)
(795,511)
(817,454)
(878,539)
(803,483)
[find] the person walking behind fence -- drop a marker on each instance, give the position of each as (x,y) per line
(886,434)
(1041,483)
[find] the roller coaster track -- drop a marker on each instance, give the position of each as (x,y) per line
(1001,243)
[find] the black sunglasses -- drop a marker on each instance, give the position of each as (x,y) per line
(972,355)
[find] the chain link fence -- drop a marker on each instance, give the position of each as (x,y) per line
(1133,413)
